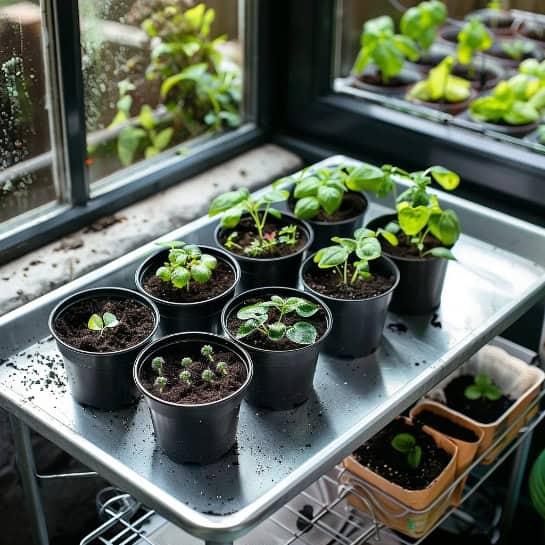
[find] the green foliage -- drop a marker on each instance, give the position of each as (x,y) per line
(517,49)
(186,263)
(256,319)
(364,245)
(420,23)
(235,203)
(441,86)
(474,37)
(158,364)
(208,375)
(386,49)
(161,382)
(405,443)
(483,388)
(98,323)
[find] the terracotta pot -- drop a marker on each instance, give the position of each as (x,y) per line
(452,108)
(467,451)
(515,378)
(412,518)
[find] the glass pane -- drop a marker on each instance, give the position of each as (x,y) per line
(443,61)
(25,150)
(157,74)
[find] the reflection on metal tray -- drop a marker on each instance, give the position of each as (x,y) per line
(279,454)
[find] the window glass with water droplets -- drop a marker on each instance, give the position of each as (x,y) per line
(158,74)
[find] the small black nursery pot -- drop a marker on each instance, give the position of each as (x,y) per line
(283,379)
(194,431)
(421,279)
(269,271)
(357,323)
(99,362)
(201,309)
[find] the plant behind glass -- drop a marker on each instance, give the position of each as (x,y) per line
(473,38)
(387,50)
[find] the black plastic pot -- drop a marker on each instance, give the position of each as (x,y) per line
(500,22)
(398,85)
(200,433)
(421,279)
(282,379)
(101,379)
(195,316)
(357,324)
(275,271)
(324,230)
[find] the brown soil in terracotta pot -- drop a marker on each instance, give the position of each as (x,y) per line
(381,458)
(200,391)
(482,410)
(446,426)
(352,206)
(259,340)
(247,233)
(329,282)
(136,322)
(222,279)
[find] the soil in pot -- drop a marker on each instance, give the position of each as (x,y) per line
(496,20)
(136,322)
(498,52)
(482,410)
(329,282)
(352,206)
(480,79)
(247,235)
(199,391)
(406,249)
(380,457)
(223,279)
(533,31)
(258,340)
(446,426)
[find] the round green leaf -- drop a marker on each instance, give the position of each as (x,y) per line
(443,253)
(414,457)
(365,178)
(110,320)
(248,327)
(368,249)
(492,392)
(347,243)
(277,331)
(445,227)
(413,220)
(231,217)
(330,198)
(473,392)
(332,256)
(227,200)
(95,323)
(363,232)
(200,273)
(276,195)
(447,179)
(302,333)
(483,380)
(306,309)
(306,208)
(180,277)
(390,237)
(253,311)
(163,273)
(403,442)
(307,187)
(209,261)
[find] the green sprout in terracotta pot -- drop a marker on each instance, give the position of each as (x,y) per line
(405,443)
(384,48)
(483,388)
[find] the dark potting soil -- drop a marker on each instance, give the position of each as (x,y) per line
(352,206)
(482,410)
(259,340)
(329,282)
(375,78)
(406,249)
(446,426)
(136,322)
(247,234)
(200,391)
(222,279)
(500,20)
(475,76)
(534,32)
(432,59)
(381,458)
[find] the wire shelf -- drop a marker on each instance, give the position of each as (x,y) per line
(319,515)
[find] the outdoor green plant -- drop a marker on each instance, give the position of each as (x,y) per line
(517,49)
(483,388)
(257,319)
(101,323)
(420,23)
(441,85)
(186,262)
(405,443)
(235,203)
(364,245)
(473,38)
(383,47)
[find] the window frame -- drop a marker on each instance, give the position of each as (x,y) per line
(78,203)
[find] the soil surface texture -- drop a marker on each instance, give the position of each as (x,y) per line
(446,426)
(352,206)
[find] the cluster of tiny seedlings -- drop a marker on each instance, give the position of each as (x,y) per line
(235,203)
(482,388)
(186,262)
(256,319)
(187,376)
(101,323)
(405,443)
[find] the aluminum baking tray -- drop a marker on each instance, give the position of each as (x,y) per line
(499,275)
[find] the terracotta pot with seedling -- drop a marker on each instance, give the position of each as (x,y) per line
(99,333)
(409,463)
(190,284)
(495,17)
(329,199)
(268,244)
(511,52)
(193,384)
(357,284)
(420,237)
(283,330)
(379,66)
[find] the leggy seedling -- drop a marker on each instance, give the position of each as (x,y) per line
(473,38)
(158,364)
(483,388)
(256,319)
(98,323)
(405,443)
(186,262)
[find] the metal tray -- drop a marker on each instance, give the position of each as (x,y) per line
(279,453)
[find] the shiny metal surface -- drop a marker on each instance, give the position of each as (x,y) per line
(279,454)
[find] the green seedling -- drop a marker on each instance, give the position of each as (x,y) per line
(161,382)
(517,49)
(157,364)
(98,323)
(186,362)
(222,369)
(208,375)
(483,388)
(472,39)
(185,376)
(405,443)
